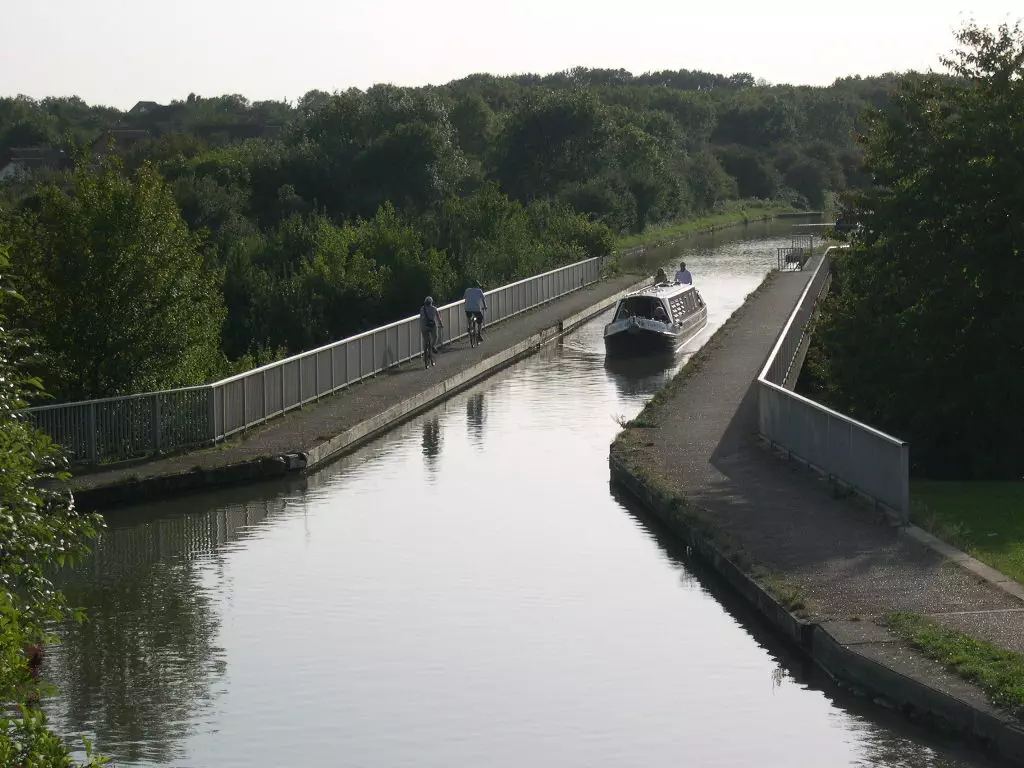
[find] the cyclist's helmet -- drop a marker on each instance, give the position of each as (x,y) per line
(428,301)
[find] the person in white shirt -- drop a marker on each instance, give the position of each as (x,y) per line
(683,275)
(475,304)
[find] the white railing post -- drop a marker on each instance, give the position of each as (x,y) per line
(156,423)
(121,414)
(91,429)
(905,482)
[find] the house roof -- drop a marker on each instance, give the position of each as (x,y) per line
(32,156)
(144,106)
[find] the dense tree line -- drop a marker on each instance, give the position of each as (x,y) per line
(39,531)
(923,331)
(284,226)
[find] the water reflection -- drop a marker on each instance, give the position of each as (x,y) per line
(641,377)
(431,443)
(475,417)
(146,664)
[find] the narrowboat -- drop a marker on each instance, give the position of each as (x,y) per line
(655,319)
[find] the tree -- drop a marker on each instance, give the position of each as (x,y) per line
(473,122)
(922,336)
(654,191)
(40,530)
(557,139)
(116,287)
(755,177)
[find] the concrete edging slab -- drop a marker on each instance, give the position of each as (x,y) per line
(272,467)
(914,698)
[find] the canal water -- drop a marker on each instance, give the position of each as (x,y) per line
(465,591)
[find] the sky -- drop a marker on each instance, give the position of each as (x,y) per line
(117,52)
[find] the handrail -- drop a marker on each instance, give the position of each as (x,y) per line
(172,419)
(870,461)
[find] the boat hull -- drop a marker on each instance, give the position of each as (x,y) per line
(640,342)
(644,338)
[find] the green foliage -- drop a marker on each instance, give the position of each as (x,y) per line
(982,518)
(921,335)
(998,672)
(39,532)
(116,287)
(316,220)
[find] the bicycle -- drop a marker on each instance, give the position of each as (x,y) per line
(428,350)
(474,330)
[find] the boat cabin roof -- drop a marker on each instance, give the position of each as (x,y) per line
(662,291)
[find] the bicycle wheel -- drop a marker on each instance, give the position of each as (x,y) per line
(474,338)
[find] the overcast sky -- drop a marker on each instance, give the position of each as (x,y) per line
(117,52)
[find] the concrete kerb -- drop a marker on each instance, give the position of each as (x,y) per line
(271,467)
(918,701)
(795,629)
(915,699)
(987,573)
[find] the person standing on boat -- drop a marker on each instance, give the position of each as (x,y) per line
(683,276)
(661,277)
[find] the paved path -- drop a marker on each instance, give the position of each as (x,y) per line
(849,565)
(298,430)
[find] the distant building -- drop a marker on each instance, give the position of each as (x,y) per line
(144,108)
(19,164)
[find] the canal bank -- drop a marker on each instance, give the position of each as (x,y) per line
(307,438)
(824,571)
(440,583)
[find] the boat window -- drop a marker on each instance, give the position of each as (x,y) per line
(640,306)
(678,307)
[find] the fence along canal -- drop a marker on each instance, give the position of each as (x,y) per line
(189,417)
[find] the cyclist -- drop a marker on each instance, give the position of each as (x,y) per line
(475,304)
(430,320)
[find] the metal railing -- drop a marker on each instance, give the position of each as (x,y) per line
(175,419)
(872,463)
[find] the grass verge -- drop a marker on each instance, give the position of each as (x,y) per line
(998,672)
(667,232)
(984,519)
(788,594)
